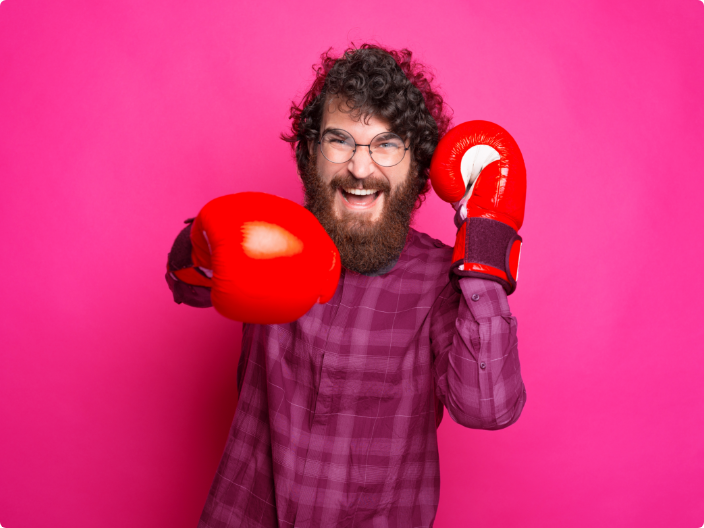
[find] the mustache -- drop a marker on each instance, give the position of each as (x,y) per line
(350,182)
(365,246)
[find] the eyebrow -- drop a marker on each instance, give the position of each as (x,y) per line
(333,129)
(385,135)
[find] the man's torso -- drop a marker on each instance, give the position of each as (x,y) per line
(336,420)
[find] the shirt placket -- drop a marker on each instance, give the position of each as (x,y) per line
(320,412)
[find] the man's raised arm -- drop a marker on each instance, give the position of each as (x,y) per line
(479,169)
(476,367)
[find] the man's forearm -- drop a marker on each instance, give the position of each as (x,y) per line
(477,368)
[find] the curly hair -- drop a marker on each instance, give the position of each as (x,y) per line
(374,82)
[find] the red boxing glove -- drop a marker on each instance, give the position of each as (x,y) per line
(270,258)
(479,169)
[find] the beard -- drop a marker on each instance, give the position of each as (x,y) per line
(366,246)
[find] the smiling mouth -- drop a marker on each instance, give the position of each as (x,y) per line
(360,197)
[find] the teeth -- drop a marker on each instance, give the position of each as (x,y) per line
(360,192)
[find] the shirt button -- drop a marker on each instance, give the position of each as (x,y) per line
(475,297)
(482,365)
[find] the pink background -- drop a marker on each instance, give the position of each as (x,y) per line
(120,119)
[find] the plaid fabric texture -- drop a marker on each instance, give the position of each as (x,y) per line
(336,421)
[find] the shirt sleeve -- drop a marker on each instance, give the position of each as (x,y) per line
(475,349)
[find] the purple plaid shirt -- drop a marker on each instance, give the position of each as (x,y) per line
(336,421)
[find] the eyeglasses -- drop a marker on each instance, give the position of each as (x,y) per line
(386,149)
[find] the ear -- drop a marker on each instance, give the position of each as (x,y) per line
(311,152)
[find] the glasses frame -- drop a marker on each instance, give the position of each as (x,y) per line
(369,146)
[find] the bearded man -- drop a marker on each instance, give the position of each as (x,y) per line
(338,409)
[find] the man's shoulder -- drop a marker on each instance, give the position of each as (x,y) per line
(426,252)
(424,242)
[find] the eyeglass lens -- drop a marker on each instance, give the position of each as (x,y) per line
(386,149)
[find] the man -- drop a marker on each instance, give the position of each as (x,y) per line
(337,414)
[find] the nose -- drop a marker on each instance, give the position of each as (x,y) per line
(361,165)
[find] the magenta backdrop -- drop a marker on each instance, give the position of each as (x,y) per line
(120,119)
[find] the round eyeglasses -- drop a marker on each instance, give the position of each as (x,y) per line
(386,149)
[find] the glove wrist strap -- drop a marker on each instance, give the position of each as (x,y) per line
(487,249)
(187,282)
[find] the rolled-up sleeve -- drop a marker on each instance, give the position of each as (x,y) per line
(473,340)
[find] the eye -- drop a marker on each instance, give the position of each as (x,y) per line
(337,140)
(388,142)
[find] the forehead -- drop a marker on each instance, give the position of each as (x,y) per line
(336,115)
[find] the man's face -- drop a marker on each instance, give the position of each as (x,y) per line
(369,229)
(361,172)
